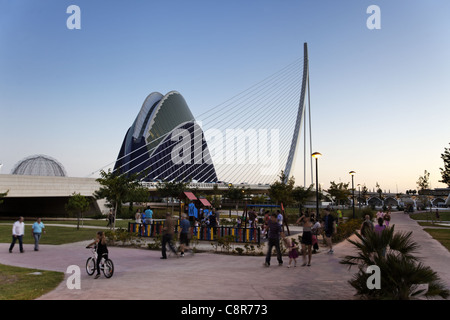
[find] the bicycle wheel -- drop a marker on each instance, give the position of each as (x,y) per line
(108,268)
(90,266)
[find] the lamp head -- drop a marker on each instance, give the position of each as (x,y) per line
(316,155)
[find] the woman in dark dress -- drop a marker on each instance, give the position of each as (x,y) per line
(306,238)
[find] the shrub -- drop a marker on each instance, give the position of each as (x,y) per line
(118,235)
(401,272)
(346,229)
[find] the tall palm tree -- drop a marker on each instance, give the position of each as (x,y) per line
(402,273)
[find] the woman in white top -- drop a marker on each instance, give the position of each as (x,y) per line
(138,216)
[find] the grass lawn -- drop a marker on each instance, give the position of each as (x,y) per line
(445,216)
(429,224)
(90,222)
(18,284)
(442,235)
(53,235)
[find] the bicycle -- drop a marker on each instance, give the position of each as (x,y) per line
(106,264)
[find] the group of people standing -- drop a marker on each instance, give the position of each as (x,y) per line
(383,221)
(145,218)
(312,227)
(18,232)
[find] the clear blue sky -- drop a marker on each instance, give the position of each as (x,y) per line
(380,98)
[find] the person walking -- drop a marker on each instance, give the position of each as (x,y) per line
(274,240)
(184,233)
(366,226)
(168,231)
(110,217)
(18,230)
(387,218)
(330,229)
(38,227)
(380,226)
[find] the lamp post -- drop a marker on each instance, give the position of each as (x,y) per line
(317,155)
(359,196)
(352,173)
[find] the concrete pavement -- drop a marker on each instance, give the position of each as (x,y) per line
(141,274)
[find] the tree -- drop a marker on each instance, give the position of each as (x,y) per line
(365,193)
(234,194)
(137,195)
(281,193)
(339,192)
(78,204)
(3,195)
(445,172)
(216,196)
(302,194)
(424,182)
(379,191)
(116,188)
(170,189)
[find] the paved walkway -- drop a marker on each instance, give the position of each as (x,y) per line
(140,274)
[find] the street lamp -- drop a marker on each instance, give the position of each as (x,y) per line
(352,173)
(317,155)
(359,196)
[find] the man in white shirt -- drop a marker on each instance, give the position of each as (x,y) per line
(18,231)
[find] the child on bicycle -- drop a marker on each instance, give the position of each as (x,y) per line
(102,249)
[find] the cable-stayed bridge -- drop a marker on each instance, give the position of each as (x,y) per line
(249,139)
(245,141)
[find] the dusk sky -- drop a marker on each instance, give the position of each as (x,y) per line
(380,98)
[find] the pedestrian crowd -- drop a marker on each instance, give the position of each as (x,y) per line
(18,232)
(383,220)
(272,228)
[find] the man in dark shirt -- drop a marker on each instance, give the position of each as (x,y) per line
(274,240)
(330,229)
(184,233)
(168,231)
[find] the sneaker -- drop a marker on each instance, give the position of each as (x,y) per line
(163,258)
(97,276)
(331,251)
(265,264)
(182,254)
(280,264)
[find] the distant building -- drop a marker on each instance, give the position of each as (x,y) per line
(165,143)
(39,165)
